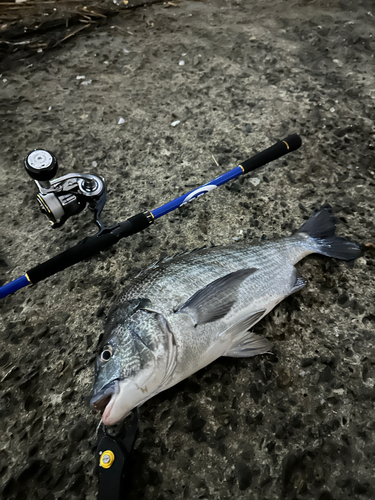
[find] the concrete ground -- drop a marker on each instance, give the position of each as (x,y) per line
(238,76)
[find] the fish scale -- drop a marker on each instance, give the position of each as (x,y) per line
(190,272)
(182,313)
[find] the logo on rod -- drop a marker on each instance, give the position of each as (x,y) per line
(198,192)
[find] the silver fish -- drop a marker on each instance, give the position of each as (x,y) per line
(183,312)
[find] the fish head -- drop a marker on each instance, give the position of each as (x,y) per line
(136,356)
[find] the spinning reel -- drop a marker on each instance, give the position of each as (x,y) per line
(65,196)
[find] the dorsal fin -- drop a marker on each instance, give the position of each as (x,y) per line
(168,258)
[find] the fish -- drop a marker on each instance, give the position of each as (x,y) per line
(183,312)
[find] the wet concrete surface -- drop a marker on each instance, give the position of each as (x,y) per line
(297,424)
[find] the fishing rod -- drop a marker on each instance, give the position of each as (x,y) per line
(61,198)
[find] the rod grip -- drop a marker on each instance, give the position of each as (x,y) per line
(89,247)
(281,148)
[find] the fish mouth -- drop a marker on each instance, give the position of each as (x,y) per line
(104,399)
(118,398)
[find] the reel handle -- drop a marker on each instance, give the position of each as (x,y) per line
(41,165)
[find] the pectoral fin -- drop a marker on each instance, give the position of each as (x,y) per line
(215,300)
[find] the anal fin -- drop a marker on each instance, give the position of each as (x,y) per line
(244,343)
(250,345)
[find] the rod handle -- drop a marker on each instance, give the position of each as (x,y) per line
(89,247)
(281,148)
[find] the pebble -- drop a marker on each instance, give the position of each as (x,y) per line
(200,436)
(284,377)
(234,186)
(76,467)
(279,431)
(197,423)
(33,468)
(192,412)
(361,488)
(255,181)
(244,475)
(271,446)
(60,365)
(289,465)
(4,358)
(305,362)
(78,431)
(220,433)
(326,375)
(361,262)
(255,392)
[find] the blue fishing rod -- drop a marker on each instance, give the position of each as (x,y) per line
(68,195)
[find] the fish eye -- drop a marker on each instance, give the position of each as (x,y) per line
(106,353)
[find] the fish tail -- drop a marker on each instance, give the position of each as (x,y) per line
(321,227)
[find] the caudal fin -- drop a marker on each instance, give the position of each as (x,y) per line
(322,226)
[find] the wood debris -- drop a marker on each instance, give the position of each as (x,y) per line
(40,24)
